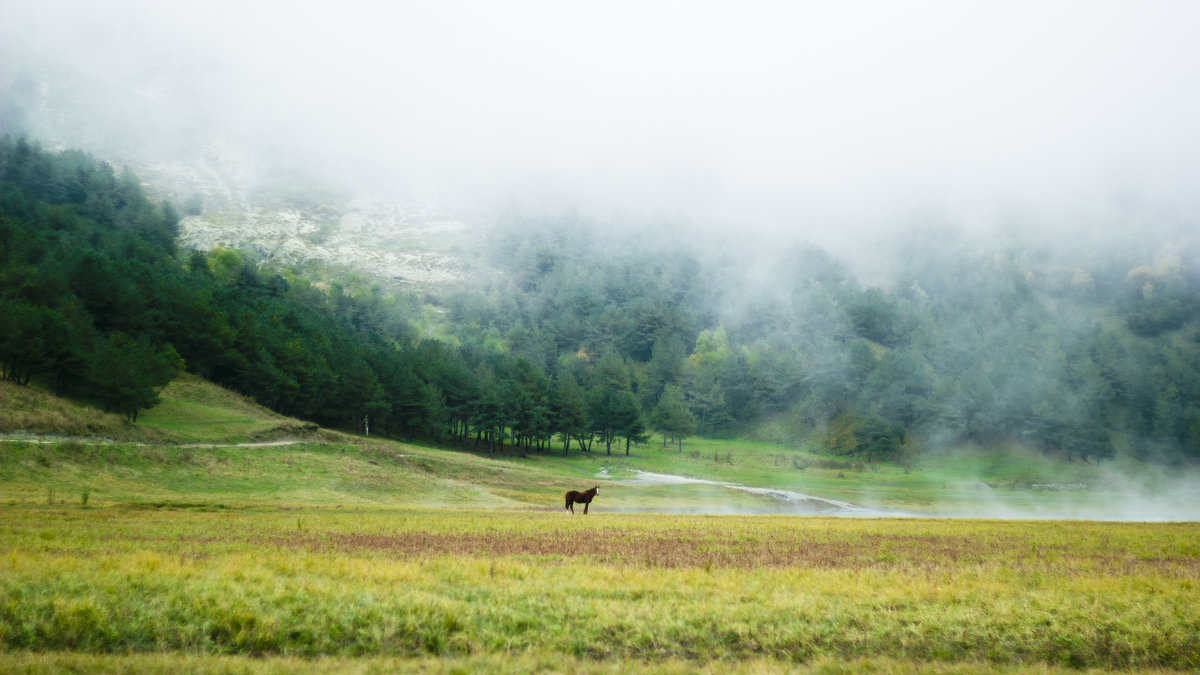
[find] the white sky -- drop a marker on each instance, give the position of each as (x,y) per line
(766,114)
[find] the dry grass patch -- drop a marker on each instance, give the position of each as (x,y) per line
(757,542)
(172,663)
(36,412)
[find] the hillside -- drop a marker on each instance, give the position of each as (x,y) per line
(31,412)
(206,447)
(195,411)
(190,410)
(600,334)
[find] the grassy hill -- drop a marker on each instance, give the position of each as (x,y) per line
(29,411)
(192,411)
(204,446)
(196,411)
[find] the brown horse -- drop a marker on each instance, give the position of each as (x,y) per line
(576,497)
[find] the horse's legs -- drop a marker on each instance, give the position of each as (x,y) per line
(571,506)
(585,507)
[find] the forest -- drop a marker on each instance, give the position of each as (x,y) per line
(589,338)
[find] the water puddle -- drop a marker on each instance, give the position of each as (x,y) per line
(784,501)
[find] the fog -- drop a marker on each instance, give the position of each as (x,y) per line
(1151,496)
(832,122)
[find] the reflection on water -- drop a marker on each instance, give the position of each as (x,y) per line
(782,501)
(1172,504)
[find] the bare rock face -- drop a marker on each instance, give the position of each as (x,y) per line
(373,238)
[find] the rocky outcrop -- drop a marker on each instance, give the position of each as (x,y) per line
(371,237)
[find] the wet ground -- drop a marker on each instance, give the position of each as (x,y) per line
(775,500)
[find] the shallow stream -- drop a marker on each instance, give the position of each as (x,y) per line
(784,501)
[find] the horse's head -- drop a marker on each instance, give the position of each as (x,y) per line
(596,489)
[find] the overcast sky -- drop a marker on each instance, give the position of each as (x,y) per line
(771,113)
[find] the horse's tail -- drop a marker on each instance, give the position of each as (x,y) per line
(568,498)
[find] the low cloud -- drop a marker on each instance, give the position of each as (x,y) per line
(831,121)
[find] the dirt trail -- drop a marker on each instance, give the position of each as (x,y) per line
(256,444)
(88,440)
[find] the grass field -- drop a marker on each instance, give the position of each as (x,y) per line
(352,582)
(342,554)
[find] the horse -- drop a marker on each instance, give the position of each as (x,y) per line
(576,497)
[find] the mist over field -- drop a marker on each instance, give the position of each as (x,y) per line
(872,228)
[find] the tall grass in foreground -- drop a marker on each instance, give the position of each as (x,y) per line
(644,588)
(517,664)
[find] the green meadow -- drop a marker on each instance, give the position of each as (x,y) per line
(190,545)
(356,582)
